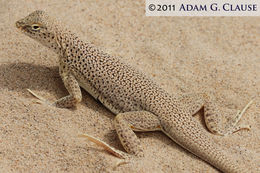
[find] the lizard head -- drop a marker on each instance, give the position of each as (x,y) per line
(39,26)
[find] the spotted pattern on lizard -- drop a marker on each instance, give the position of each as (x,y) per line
(138,102)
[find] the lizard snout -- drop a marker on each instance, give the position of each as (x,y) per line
(19,24)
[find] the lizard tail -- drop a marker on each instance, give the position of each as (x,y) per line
(191,137)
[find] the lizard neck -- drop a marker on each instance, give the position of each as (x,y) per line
(63,43)
(70,45)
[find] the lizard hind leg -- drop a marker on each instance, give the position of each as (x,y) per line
(125,124)
(128,122)
(215,121)
(193,102)
(214,115)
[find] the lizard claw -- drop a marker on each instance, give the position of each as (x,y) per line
(124,157)
(40,100)
(104,145)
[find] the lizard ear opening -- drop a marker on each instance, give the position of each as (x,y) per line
(35,27)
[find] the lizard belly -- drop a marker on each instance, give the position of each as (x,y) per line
(91,90)
(109,105)
(98,96)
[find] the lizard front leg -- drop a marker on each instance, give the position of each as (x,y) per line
(73,88)
(74,97)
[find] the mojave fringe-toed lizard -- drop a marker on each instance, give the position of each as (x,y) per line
(138,102)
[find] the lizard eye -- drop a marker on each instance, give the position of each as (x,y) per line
(35,27)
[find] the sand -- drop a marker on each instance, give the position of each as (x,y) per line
(182,54)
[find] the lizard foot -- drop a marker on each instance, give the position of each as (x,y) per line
(104,145)
(40,100)
(111,150)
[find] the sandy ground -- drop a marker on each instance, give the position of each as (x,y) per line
(182,54)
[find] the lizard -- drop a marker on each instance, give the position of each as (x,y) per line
(137,101)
